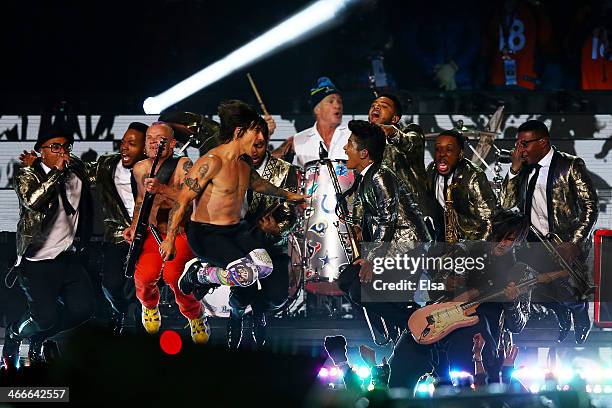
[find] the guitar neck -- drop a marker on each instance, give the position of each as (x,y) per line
(473,303)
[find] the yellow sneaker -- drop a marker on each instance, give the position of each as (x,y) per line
(151,320)
(200,330)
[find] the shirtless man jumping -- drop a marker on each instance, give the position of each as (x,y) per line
(218,182)
(150,266)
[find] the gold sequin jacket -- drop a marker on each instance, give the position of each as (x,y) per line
(473,199)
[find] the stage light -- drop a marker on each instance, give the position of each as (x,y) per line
(564,374)
(293,29)
(333,372)
(423,388)
(323,372)
(534,388)
(363,372)
(459,374)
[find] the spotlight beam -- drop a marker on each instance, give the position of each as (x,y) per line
(292,29)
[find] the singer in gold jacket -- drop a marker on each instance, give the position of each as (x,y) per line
(474,201)
(572,209)
(405,148)
(54,218)
(560,200)
(270,221)
(38,200)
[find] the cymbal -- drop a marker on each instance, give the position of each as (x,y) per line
(187,124)
(470,134)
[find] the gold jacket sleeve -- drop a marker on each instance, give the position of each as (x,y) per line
(33,194)
(587,200)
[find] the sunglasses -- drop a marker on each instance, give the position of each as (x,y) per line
(525,143)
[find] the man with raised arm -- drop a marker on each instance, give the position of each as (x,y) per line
(218,183)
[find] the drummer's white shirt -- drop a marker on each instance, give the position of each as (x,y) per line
(306,144)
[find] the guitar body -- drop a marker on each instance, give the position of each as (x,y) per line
(432,323)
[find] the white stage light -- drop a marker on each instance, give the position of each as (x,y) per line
(295,28)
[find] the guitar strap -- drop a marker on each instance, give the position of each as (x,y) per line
(167,169)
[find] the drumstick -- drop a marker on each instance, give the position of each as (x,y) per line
(257,95)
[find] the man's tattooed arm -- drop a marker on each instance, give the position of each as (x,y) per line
(173,224)
(198,176)
(263,186)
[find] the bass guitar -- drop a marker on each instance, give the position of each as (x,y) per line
(143,219)
(432,323)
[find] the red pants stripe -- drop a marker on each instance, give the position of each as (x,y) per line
(149,271)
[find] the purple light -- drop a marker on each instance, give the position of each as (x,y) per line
(323,372)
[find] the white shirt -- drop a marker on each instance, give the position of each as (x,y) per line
(245,202)
(58,235)
(123,183)
(440,188)
(306,144)
(365,170)
(539,204)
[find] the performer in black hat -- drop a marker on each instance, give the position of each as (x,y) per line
(55,209)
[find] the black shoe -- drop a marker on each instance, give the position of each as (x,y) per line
(336,348)
(234,330)
(189,277)
(582,324)
(202,289)
(35,354)
(10,351)
(564,319)
(259,329)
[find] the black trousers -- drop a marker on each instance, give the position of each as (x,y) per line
(396,313)
(59,296)
(411,360)
(219,245)
(557,294)
(118,290)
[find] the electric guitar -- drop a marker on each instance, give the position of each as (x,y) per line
(432,323)
(143,220)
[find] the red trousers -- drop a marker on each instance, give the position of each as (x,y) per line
(149,271)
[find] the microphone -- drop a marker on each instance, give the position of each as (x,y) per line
(323,154)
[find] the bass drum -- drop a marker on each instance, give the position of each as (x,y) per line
(322,251)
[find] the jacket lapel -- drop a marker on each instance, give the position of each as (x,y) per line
(554,172)
(108,175)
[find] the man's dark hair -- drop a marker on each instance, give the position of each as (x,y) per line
(396,102)
(237,114)
(535,126)
(139,126)
(507,222)
(370,137)
(457,135)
